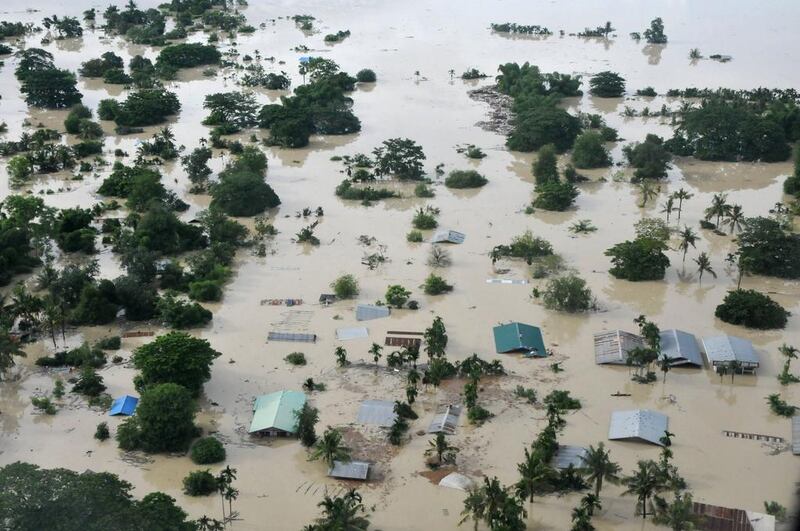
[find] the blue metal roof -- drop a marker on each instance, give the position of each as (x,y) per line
(124,405)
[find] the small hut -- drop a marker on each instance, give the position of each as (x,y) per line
(124,405)
(274,414)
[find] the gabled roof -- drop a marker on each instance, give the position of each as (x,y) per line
(448,236)
(569,455)
(349,470)
(612,347)
(445,420)
(378,412)
(276,411)
(366,312)
(722,349)
(718,518)
(124,405)
(638,424)
(680,348)
(292,337)
(516,337)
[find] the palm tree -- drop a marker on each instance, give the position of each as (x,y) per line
(442,449)
(474,506)
(8,349)
(790,353)
(688,239)
(681,195)
(411,393)
(375,350)
(412,378)
(341,356)
(643,483)
(734,217)
(719,207)
(535,473)
(590,503)
(668,207)
(598,467)
(581,520)
(704,265)
(342,513)
(648,191)
(330,448)
(678,515)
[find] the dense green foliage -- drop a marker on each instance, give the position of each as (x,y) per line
(401,157)
(589,151)
(607,84)
(569,294)
(231,111)
(181,314)
(366,75)
(556,196)
(767,249)
(639,259)
(207,451)
(465,179)
(545,168)
(32,499)
(199,483)
(177,358)
(751,309)
(650,158)
(241,190)
(187,55)
(140,108)
(345,287)
(164,421)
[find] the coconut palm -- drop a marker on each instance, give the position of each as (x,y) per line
(343,513)
(681,195)
(643,483)
(668,207)
(474,506)
(790,353)
(734,217)
(581,520)
(704,265)
(591,503)
(535,473)
(375,350)
(341,356)
(678,515)
(648,191)
(8,349)
(411,393)
(442,449)
(718,209)
(598,467)
(330,447)
(688,239)
(486,503)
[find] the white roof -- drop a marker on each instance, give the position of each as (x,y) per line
(454,480)
(349,470)
(445,420)
(569,455)
(378,412)
(721,349)
(638,424)
(612,347)
(343,334)
(365,312)
(680,348)
(448,236)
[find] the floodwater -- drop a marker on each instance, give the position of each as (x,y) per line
(278,488)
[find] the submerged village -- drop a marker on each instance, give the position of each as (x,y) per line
(329,266)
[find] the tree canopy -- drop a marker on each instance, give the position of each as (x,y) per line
(177,358)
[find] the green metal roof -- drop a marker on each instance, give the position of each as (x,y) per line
(514,337)
(276,410)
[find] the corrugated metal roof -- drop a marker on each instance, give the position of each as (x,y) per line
(639,424)
(343,334)
(445,420)
(366,312)
(276,411)
(349,470)
(681,348)
(722,349)
(516,337)
(378,412)
(796,435)
(448,236)
(612,347)
(567,455)
(124,405)
(292,337)
(716,518)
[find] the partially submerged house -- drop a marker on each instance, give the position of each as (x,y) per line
(680,348)
(367,312)
(724,350)
(377,412)
(454,480)
(641,425)
(569,456)
(716,518)
(357,470)
(519,337)
(274,414)
(445,420)
(612,347)
(292,337)
(124,405)
(395,338)
(448,236)
(345,334)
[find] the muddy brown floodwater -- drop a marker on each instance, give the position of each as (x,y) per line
(279,488)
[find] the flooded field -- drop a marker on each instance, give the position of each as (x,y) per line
(412,46)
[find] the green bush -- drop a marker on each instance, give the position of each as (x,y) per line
(295,358)
(545,168)
(89,383)
(101,433)
(555,196)
(465,179)
(607,85)
(345,287)
(199,483)
(397,295)
(650,158)
(187,55)
(589,151)
(366,76)
(179,314)
(640,259)
(243,193)
(436,285)
(751,309)
(569,294)
(205,290)
(414,236)
(424,220)
(207,451)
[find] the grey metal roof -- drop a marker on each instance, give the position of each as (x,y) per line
(291,336)
(448,236)
(612,347)
(365,312)
(445,420)
(568,455)
(343,334)
(349,470)
(378,412)
(796,435)
(638,424)
(722,349)
(680,348)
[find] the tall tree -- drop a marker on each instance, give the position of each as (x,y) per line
(704,266)
(734,217)
(598,467)
(535,473)
(681,195)
(718,209)
(688,239)
(330,447)
(643,483)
